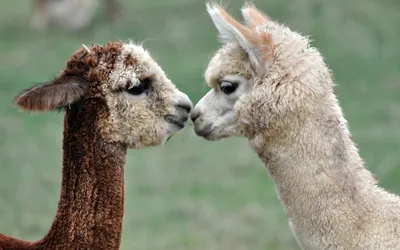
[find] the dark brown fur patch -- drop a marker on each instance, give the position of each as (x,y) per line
(91,205)
(8,243)
(130,60)
(86,65)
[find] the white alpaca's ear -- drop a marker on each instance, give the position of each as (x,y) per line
(256,45)
(228,31)
(253,17)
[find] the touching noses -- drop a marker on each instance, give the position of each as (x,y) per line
(194,115)
(197,111)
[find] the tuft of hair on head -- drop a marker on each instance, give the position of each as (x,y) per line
(145,40)
(53,95)
(257,45)
(86,48)
(252,16)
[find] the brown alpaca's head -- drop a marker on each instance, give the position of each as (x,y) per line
(263,72)
(143,107)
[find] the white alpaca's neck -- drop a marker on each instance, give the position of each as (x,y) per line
(321,180)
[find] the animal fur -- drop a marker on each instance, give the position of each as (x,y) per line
(102,120)
(286,107)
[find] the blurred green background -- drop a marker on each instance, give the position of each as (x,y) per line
(193,194)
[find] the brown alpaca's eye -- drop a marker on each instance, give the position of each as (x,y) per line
(228,87)
(138,89)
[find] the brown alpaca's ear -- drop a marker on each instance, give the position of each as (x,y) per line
(53,95)
(253,17)
(257,45)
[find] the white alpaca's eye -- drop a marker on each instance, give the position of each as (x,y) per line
(228,87)
(138,89)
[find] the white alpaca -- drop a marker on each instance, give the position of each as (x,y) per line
(269,85)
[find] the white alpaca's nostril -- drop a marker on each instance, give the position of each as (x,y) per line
(194,115)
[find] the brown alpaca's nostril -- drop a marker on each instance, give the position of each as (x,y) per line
(194,116)
(185,107)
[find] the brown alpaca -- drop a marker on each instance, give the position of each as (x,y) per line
(272,87)
(115,97)
(72,14)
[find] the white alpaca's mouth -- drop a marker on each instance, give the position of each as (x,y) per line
(207,132)
(212,132)
(204,131)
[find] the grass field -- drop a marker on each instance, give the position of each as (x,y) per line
(193,194)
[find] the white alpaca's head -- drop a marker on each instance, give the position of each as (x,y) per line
(262,71)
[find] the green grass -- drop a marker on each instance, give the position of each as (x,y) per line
(193,194)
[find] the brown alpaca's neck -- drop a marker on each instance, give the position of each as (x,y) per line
(91,203)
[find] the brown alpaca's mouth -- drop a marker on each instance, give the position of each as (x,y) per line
(180,123)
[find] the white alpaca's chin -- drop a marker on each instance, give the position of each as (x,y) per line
(212,137)
(213,133)
(215,137)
